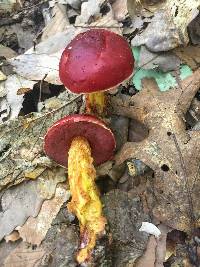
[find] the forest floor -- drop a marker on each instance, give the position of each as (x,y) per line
(155,117)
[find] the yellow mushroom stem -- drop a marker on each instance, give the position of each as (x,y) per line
(96,103)
(85,203)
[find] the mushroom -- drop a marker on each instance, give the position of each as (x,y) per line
(96,61)
(78,141)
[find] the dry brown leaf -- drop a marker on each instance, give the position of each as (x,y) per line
(190,55)
(136,6)
(25,200)
(59,248)
(24,256)
(89,10)
(120,9)
(174,239)
(14,236)
(58,23)
(35,229)
(108,22)
(137,131)
(6,249)
(168,26)
(14,100)
(41,62)
(148,258)
(23,90)
(7,52)
(61,245)
(2,76)
(171,151)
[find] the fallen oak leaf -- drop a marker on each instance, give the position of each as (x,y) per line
(43,59)
(170,150)
(36,66)
(6,249)
(25,200)
(135,7)
(190,55)
(57,249)
(34,230)
(24,256)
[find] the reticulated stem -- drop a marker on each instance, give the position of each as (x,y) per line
(96,103)
(85,203)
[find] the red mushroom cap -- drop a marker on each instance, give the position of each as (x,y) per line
(96,60)
(59,137)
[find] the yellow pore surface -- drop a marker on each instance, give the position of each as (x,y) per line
(85,203)
(96,103)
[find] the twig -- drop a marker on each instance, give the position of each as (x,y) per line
(41,83)
(97,26)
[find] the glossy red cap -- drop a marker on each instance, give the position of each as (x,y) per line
(59,137)
(96,60)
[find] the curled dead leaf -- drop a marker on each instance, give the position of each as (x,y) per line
(22,91)
(170,150)
(168,26)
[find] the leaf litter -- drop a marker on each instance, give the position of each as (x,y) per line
(34,230)
(163,115)
(163,140)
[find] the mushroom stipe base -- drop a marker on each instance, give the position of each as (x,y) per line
(85,203)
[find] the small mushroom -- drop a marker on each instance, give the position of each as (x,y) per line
(79,142)
(96,61)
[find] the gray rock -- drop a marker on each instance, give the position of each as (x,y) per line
(165,61)
(119,125)
(194,30)
(125,215)
(64,246)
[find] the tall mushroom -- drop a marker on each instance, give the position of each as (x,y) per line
(96,61)
(77,141)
